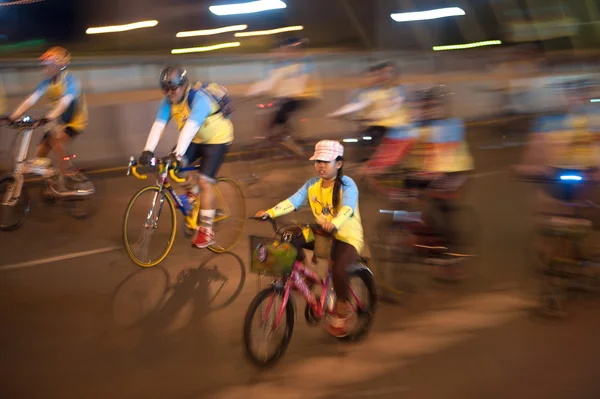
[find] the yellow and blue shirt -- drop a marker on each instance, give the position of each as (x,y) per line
(386,105)
(66,84)
(346,217)
(439,146)
(571,140)
(201,108)
(294,79)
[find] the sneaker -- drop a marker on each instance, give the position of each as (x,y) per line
(204,238)
(341,325)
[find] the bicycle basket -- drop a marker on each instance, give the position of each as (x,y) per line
(323,246)
(271,258)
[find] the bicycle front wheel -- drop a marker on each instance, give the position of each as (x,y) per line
(267,305)
(230,217)
(13,212)
(156,239)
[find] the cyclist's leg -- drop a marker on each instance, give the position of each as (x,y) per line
(445,192)
(343,256)
(212,157)
(278,124)
(300,244)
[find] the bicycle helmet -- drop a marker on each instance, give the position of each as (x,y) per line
(172,77)
(56,55)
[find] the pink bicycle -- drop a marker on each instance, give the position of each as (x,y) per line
(277,257)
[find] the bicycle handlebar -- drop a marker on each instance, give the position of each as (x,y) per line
(313,226)
(25,123)
(157,164)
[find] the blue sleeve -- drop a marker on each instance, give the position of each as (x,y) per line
(164,111)
(201,108)
(349,193)
(43,87)
(73,87)
(299,198)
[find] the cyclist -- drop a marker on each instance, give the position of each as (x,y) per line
(67,118)
(566,140)
(292,80)
(382,102)
(434,149)
(333,199)
(205,135)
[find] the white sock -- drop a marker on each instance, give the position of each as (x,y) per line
(207,216)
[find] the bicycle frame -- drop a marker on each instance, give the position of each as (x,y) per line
(164,184)
(297,282)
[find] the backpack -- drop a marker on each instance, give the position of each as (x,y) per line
(218,93)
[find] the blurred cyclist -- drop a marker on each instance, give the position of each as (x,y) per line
(435,151)
(564,141)
(67,118)
(292,81)
(205,135)
(382,103)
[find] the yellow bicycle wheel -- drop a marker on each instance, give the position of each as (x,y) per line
(150,226)
(231,215)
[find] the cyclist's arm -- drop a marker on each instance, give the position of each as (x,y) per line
(30,101)
(292,203)
(360,102)
(265,85)
(162,118)
(349,203)
(71,93)
(201,109)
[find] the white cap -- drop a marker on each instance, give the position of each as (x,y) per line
(327,150)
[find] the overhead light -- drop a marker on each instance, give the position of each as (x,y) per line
(208,32)
(350,140)
(247,8)
(429,14)
(205,48)
(467,45)
(121,28)
(595,100)
(269,32)
(19,2)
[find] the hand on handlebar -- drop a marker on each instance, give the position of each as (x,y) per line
(264,215)
(327,226)
(171,158)
(146,158)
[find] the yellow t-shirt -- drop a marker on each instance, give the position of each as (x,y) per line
(76,116)
(215,129)
(346,217)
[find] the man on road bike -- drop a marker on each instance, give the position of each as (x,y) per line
(205,135)
(333,199)
(67,118)
(293,82)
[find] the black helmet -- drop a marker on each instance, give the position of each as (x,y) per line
(172,77)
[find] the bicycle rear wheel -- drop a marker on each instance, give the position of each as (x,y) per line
(150,225)
(230,217)
(12,212)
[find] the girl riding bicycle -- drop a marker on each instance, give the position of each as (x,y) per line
(333,199)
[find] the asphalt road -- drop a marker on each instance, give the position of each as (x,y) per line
(68,294)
